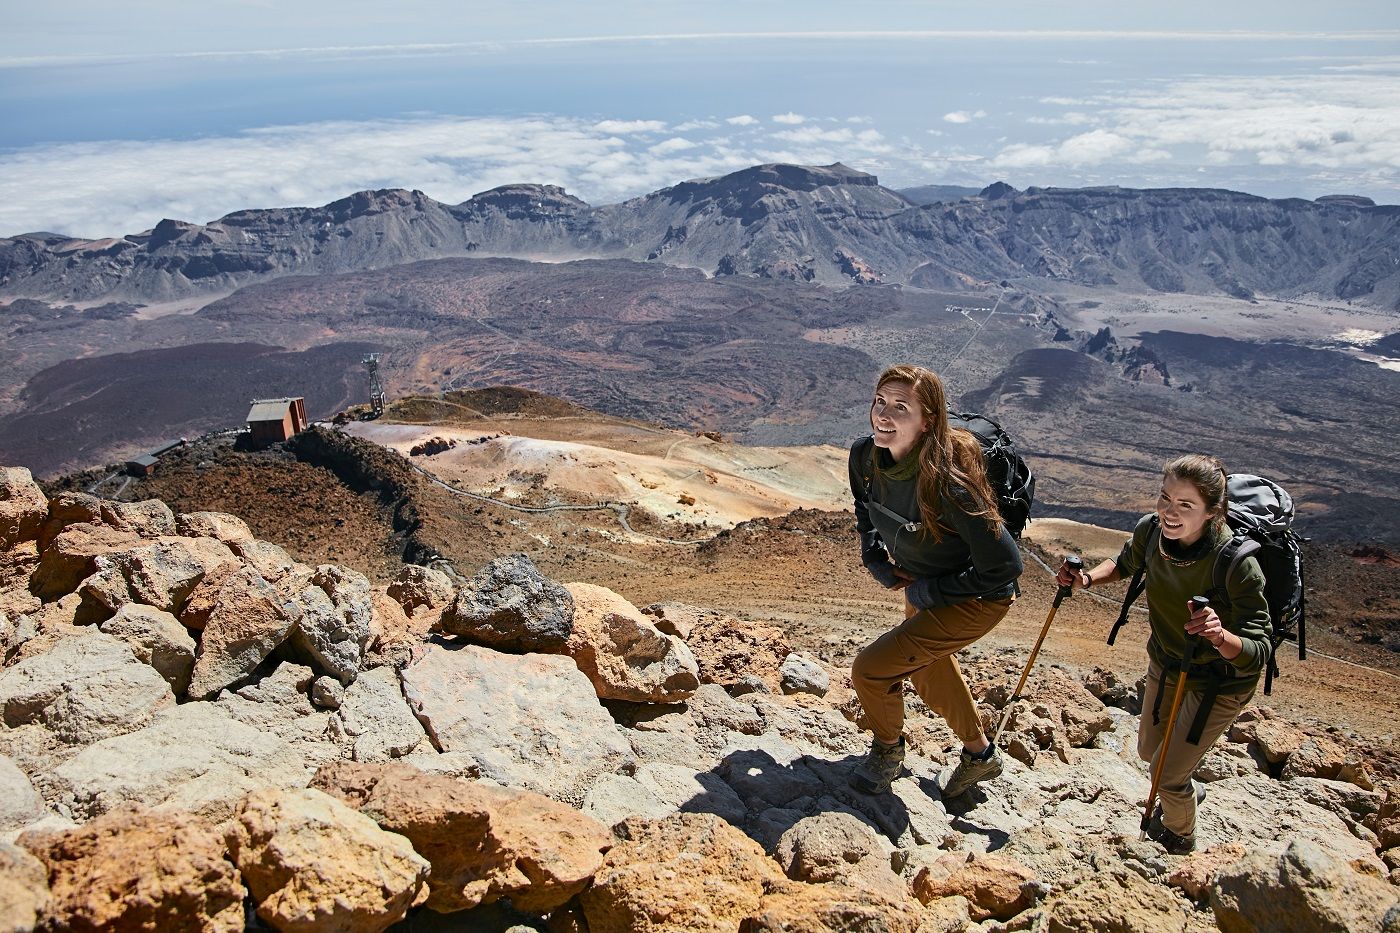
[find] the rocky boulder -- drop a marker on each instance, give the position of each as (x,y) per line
(194,757)
(994,886)
(416,588)
(139,870)
(1115,901)
(312,864)
(373,718)
(24,889)
(86,688)
(1302,889)
(837,908)
(23,507)
(484,843)
(510,606)
(333,616)
(149,518)
(1057,712)
(162,574)
(20,803)
(801,674)
(72,556)
(69,508)
(226,528)
(1196,873)
(690,871)
(243,619)
(732,652)
(156,638)
(487,706)
(624,655)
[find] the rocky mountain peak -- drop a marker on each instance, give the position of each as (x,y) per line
(996,191)
(524,201)
(773,177)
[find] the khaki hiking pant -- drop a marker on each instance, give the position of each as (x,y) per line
(1176,793)
(920,650)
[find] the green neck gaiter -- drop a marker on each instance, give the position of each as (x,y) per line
(907,468)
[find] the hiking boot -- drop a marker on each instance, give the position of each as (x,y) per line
(1173,843)
(880,767)
(971,770)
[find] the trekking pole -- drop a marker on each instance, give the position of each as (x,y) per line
(1197,604)
(1075,565)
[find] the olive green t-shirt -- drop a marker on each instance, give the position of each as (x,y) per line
(1170,586)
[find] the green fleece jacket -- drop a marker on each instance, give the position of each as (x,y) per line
(971,561)
(1170,587)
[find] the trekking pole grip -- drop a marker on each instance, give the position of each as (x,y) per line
(1076,566)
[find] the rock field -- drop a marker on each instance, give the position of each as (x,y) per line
(199,732)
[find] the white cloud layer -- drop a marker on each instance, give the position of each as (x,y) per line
(1303,135)
(963,116)
(117,187)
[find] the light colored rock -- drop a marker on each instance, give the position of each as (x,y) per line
(1115,902)
(712,709)
(416,588)
(139,870)
(24,889)
(836,908)
(690,871)
(1266,815)
(1057,711)
(71,556)
(149,518)
(1274,738)
(995,886)
(194,757)
(86,688)
(156,638)
(278,704)
(23,507)
(682,788)
(729,651)
(1196,873)
(1315,758)
(222,527)
(615,797)
(243,619)
(488,705)
(162,573)
(524,846)
(839,847)
(313,864)
(327,692)
(333,627)
(1304,889)
(623,654)
(270,561)
(510,606)
(374,719)
(800,674)
(20,803)
(69,508)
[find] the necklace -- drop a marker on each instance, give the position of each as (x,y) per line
(1194,552)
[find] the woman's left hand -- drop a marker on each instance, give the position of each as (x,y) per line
(1205,623)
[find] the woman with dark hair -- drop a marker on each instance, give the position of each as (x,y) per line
(1177,545)
(929,525)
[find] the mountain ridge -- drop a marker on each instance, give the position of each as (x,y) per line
(822,224)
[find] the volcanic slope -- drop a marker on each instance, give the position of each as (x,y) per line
(336,497)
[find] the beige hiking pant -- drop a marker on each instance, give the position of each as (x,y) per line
(1177,796)
(920,650)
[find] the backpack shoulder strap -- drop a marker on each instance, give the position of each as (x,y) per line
(1138,582)
(1227,563)
(863,457)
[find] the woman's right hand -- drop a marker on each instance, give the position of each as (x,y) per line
(1072,578)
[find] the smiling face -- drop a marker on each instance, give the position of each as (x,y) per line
(1182,511)
(896,418)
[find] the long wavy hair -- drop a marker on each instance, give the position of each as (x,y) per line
(1208,475)
(948,457)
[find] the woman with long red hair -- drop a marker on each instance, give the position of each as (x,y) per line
(929,525)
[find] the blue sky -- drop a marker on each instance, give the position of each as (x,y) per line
(114,116)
